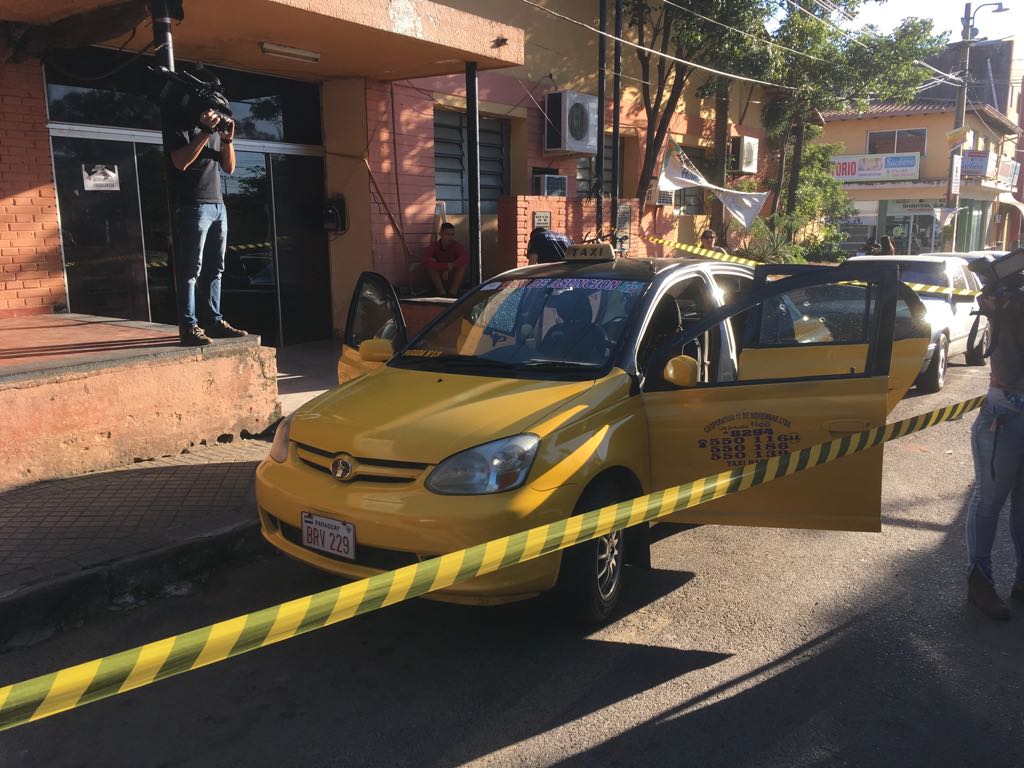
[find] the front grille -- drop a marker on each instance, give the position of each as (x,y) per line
(369,557)
(367,470)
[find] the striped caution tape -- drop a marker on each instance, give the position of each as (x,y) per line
(75,686)
(702,251)
(938,289)
(918,287)
(249,246)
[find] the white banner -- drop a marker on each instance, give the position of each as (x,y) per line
(943,215)
(677,172)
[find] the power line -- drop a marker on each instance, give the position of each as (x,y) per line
(657,53)
(828,23)
(747,34)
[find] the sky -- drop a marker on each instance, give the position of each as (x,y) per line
(945,14)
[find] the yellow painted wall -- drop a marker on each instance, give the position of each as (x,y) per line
(345,138)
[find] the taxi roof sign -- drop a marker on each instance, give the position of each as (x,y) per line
(590,252)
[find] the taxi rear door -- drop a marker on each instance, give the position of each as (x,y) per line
(810,363)
(374,313)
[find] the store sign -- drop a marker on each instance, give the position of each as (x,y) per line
(911,207)
(978,163)
(1009,171)
(901,166)
(100,178)
(958,172)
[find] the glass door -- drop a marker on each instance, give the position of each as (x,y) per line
(98,195)
(303,267)
(249,286)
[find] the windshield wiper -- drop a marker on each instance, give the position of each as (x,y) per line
(559,365)
(468,361)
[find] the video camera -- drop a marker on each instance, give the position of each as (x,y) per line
(185,97)
(1006,272)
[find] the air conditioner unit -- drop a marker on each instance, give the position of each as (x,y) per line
(571,124)
(743,154)
(550,185)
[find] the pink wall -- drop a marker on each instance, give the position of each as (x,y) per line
(400,125)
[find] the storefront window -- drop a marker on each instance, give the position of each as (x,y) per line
(100,87)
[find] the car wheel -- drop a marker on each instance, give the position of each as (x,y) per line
(976,354)
(591,578)
(935,377)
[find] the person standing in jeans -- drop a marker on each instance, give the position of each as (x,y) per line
(997,442)
(197,154)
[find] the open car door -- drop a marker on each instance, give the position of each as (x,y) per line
(911,330)
(374,313)
(803,359)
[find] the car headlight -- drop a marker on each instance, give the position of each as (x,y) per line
(489,468)
(279,448)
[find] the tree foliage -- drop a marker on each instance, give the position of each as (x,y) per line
(677,32)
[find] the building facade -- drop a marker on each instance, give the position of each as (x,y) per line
(360,105)
(895,168)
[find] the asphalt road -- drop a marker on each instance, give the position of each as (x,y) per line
(743,647)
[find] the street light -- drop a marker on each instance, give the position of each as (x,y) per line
(967,38)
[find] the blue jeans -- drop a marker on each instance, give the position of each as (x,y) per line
(1000,431)
(201,232)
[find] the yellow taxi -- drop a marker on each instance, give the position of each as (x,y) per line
(558,388)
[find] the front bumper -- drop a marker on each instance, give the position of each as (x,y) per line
(398,524)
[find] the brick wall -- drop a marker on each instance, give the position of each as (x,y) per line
(31,273)
(575,217)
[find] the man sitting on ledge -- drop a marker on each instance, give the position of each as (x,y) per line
(445,262)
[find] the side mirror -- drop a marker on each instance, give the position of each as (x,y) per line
(682,371)
(376,350)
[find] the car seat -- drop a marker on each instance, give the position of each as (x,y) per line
(576,338)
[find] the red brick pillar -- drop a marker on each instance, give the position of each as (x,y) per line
(31,273)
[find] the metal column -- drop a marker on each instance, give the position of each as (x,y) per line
(616,101)
(473,155)
(164,12)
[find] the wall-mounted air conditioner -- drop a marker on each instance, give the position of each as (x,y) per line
(551,185)
(571,124)
(743,154)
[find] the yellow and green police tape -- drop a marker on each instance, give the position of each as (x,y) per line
(697,251)
(75,686)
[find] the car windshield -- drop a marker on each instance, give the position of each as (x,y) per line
(554,325)
(927,272)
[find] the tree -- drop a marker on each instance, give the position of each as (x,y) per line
(682,33)
(836,70)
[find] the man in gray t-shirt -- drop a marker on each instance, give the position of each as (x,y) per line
(196,154)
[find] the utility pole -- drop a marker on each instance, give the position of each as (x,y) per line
(616,101)
(598,181)
(956,158)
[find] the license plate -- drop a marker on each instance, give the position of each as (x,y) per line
(328,535)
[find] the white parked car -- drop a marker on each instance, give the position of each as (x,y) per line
(951,318)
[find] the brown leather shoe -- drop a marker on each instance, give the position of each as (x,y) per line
(223,330)
(982,595)
(193,337)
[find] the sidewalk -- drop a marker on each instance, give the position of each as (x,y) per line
(76,545)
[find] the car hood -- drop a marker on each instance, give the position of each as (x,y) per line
(424,417)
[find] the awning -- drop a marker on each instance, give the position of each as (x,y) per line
(375,39)
(1007,198)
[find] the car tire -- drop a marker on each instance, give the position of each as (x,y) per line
(934,378)
(976,354)
(590,581)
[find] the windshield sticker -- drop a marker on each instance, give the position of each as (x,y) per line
(630,287)
(747,437)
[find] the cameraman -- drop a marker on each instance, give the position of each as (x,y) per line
(997,442)
(197,154)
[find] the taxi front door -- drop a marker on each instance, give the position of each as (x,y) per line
(810,363)
(373,314)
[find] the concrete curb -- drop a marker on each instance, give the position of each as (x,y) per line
(39,609)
